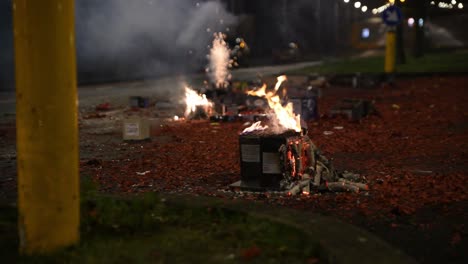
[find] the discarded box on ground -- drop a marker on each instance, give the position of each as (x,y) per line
(306,107)
(136,128)
(139,102)
(353,109)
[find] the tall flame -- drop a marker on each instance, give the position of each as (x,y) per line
(219,61)
(284,117)
(194,99)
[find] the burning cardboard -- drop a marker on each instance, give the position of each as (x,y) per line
(276,156)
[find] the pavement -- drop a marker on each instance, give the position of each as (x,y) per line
(166,88)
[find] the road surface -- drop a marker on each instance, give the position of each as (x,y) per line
(168,88)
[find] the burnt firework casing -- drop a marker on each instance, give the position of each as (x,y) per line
(271,164)
(260,159)
(251,166)
(307,107)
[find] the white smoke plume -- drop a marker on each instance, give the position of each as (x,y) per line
(146,37)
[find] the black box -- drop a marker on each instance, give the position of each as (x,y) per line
(251,167)
(307,107)
(260,158)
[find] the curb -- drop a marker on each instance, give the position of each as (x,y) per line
(339,242)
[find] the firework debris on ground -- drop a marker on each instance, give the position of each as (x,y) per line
(413,156)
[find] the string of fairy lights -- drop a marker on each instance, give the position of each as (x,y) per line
(452,4)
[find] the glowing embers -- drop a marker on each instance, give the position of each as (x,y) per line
(196,105)
(282,116)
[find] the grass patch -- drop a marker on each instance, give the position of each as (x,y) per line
(430,63)
(146,229)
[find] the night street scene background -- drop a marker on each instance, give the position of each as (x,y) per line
(233,131)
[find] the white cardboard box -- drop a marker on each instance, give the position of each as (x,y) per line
(135,128)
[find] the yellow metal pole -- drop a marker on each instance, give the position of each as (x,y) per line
(46,123)
(390,50)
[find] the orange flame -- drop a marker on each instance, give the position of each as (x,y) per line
(194,99)
(284,116)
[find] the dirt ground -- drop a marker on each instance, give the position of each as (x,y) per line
(413,155)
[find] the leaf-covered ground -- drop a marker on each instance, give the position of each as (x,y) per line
(413,156)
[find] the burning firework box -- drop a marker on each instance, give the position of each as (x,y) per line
(307,107)
(269,159)
(136,128)
(251,167)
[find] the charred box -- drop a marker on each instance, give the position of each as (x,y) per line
(273,161)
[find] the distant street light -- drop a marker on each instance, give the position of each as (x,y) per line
(357,4)
(420,22)
(364,9)
(346,1)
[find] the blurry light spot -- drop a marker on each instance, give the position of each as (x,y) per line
(432,3)
(460,5)
(420,22)
(410,22)
(346,1)
(375,11)
(365,33)
(454,2)
(357,4)
(208,30)
(364,8)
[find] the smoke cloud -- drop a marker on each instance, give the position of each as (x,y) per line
(137,38)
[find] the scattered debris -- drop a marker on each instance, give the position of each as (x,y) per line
(289,162)
(353,109)
(103,107)
(139,102)
(143,173)
(136,128)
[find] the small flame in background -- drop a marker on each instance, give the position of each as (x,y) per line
(194,99)
(284,117)
(219,61)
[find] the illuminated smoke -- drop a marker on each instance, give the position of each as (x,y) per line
(219,61)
